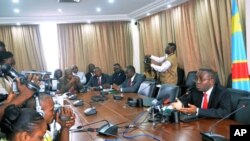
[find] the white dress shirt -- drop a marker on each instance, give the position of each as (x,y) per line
(81,75)
(165,64)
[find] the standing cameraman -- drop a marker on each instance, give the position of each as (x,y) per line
(168,67)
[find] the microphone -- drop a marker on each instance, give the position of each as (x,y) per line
(106,129)
(90,111)
(211,136)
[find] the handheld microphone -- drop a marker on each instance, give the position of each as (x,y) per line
(211,136)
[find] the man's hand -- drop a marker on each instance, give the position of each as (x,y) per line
(190,110)
(24,90)
(66,111)
(116,87)
(10,97)
(177,105)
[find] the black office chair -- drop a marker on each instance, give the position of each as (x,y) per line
(181,76)
(168,91)
(147,88)
(236,95)
(243,115)
(190,80)
(229,81)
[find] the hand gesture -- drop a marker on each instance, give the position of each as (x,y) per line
(177,105)
(67,112)
(190,110)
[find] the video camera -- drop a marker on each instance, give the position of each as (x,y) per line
(47,84)
(7,70)
(147,59)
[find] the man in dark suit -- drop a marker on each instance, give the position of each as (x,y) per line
(90,73)
(99,80)
(208,99)
(132,82)
(119,75)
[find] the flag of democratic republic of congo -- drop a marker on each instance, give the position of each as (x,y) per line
(240,77)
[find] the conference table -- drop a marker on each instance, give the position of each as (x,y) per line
(117,112)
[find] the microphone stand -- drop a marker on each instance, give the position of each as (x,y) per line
(211,136)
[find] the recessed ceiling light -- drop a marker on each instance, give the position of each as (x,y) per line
(18,23)
(59,10)
(169,6)
(98,9)
(111,1)
(89,21)
(148,14)
(15,1)
(16,10)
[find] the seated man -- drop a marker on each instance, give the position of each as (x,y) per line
(69,83)
(81,75)
(119,75)
(58,74)
(208,99)
(132,82)
(99,80)
(90,73)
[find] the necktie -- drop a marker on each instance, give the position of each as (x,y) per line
(99,81)
(129,82)
(205,102)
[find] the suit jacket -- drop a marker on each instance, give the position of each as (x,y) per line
(93,82)
(88,75)
(118,78)
(219,104)
(139,78)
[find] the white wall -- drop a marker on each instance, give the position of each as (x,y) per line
(136,46)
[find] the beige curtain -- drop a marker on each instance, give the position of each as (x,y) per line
(102,44)
(201,30)
(25,43)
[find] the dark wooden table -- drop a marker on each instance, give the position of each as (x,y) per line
(118,112)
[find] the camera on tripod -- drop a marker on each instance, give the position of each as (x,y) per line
(47,84)
(7,70)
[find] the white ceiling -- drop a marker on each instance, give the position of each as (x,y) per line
(37,11)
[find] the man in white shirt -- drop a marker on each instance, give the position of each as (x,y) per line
(168,67)
(81,75)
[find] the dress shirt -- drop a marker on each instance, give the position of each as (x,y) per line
(81,75)
(165,64)
(208,96)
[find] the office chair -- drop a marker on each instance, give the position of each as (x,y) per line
(236,95)
(168,91)
(147,88)
(229,81)
(181,76)
(243,115)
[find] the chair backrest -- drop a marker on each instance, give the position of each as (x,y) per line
(181,76)
(236,95)
(147,88)
(243,115)
(190,80)
(168,91)
(229,81)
